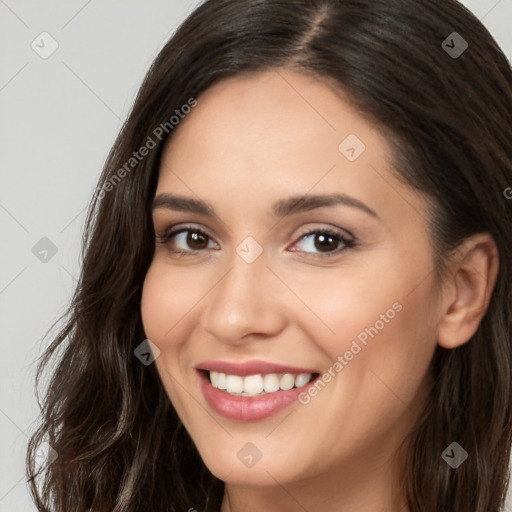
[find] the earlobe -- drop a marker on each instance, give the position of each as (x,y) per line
(467,289)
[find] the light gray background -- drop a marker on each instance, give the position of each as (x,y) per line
(58,119)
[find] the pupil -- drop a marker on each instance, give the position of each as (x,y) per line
(325,242)
(196,240)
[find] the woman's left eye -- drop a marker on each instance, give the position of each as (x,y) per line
(324,242)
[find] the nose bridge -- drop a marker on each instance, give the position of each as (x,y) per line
(242,302)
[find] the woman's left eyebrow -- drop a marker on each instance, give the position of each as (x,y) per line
(282,208)
(296,204)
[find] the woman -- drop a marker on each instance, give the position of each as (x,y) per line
(296,275)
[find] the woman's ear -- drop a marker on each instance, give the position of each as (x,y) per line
(467,289)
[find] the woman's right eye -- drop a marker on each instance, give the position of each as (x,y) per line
(186,241)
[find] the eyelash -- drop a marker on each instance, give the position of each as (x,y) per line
(348,243)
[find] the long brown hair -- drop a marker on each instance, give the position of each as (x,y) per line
(448,115)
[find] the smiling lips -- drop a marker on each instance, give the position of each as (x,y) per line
(251,391)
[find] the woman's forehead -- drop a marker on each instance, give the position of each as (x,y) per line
(275,134)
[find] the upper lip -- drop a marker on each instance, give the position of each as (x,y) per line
(250,368)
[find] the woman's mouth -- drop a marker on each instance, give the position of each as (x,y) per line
(251,391)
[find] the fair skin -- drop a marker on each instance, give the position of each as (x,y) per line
(253,141)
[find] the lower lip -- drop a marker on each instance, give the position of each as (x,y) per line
(248,408)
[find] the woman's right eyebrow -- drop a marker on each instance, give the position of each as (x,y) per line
(282,208)
(182,203)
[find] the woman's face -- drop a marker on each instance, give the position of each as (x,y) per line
(337,287)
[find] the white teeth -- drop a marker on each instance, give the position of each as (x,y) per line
(253,384)
(258,384)
(271,382)
(221,381)
(234,383)
(302,379)
(287,381)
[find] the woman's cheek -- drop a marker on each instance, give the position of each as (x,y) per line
(347,307)
(167,296)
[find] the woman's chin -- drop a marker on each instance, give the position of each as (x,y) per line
(252,477)
(262,473)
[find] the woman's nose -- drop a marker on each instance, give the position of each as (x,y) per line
(247,300)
